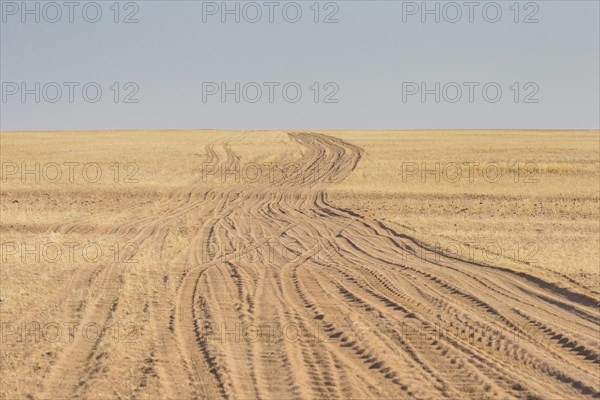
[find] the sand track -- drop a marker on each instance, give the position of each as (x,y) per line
(327,304)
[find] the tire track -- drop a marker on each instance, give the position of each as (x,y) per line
(282,295)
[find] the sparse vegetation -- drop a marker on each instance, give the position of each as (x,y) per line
(535,210)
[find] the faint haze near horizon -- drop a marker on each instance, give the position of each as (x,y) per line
(368,57)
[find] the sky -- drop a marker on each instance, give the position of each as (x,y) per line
(299,65)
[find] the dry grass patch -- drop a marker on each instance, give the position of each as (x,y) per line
(539,214)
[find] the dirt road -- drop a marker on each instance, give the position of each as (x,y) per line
(318,302)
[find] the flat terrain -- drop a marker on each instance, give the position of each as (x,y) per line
(239,265)
(528,200)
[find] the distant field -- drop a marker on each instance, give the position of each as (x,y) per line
(536,208)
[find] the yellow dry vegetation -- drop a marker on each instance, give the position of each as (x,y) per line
(527,200)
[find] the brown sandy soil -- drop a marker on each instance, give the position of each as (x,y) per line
(265,289)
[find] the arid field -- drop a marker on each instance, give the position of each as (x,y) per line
(300,265)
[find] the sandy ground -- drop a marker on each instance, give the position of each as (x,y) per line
(260,286)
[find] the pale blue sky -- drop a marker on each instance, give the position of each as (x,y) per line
(368,54)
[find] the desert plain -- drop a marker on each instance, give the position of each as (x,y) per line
(300,265)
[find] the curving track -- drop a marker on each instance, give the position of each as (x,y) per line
(323,304)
